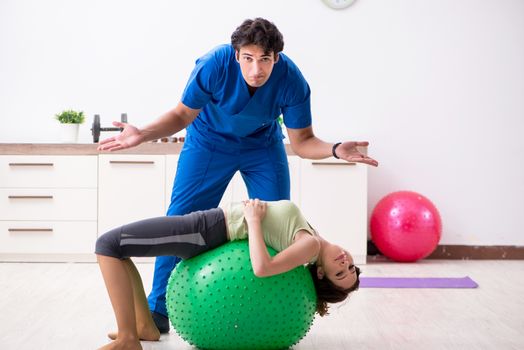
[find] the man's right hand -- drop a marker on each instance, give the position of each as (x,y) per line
(129,137)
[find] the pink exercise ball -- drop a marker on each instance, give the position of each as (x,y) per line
(405,226)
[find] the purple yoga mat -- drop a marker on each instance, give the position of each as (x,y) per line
(417,282)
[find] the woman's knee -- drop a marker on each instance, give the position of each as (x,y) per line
(108,244)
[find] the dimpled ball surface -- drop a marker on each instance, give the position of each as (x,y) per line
(215,301)
(405,226)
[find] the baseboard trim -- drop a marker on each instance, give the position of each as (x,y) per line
(464,252)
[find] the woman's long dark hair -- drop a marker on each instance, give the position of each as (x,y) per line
(327,292)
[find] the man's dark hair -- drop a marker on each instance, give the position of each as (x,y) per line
(260,32)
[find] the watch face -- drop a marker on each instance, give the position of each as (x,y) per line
(338,4)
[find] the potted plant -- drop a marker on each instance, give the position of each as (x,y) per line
(70,121)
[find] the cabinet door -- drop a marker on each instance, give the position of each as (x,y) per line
(334,201)
(295,176)
(131,187)
(171,167)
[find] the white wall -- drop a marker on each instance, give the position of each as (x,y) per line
(437,87)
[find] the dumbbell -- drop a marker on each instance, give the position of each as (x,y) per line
(96,128)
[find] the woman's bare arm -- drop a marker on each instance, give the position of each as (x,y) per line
(299,253)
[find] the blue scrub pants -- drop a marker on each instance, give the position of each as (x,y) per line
(203,173)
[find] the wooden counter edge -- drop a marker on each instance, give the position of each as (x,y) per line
(91,149)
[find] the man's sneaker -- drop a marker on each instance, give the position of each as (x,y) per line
(161,322)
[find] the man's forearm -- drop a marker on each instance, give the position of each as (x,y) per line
(313,148)
(306,145)
(166,125)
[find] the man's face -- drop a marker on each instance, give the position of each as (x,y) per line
(256,66)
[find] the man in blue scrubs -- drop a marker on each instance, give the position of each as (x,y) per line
(230,107)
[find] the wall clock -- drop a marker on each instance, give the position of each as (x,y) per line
(338,4)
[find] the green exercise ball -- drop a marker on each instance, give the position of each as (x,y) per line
(215,301)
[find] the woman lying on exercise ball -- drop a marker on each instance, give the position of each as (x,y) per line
(279,225)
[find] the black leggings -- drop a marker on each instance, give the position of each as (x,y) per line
(184,236)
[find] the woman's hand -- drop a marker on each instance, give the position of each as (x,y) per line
(254,210)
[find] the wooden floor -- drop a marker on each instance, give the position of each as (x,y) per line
(65,306)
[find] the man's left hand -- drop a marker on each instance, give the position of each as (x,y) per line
(349,152)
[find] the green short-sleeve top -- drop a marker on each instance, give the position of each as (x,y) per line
(281,223)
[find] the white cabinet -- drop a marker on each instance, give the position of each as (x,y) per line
(47,207)
(53,207)
(130,188)
(333,197)
(171,167)
(295,175)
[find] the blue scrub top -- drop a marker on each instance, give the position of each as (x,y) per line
(230,115)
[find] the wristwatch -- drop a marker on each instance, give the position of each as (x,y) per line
(334,149)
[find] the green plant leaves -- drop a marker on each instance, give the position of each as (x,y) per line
(70,116)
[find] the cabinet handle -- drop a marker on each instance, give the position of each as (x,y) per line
(30,164)
(30,197)
(30,229)
(332,163)
(131,162)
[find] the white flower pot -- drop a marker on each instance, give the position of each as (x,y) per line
(69,133)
